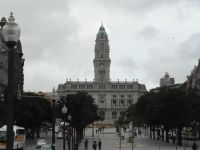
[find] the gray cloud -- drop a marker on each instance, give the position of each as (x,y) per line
(190,49)
(138,6)
(148,33)
(58,38)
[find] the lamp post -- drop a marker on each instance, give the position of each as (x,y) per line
(132,136)
(11,34)
(53,125)
(120,140)
(64,111)
(93,129)
(194,124)
(69,117)
(2,97)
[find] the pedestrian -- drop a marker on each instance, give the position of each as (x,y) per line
(86,144)
(99,144)
(94,145)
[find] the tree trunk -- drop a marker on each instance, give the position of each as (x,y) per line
(158,133)
(150,132)
(162,137)
(154,136)
(179,135)
(167,137)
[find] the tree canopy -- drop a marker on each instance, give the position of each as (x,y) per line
(81,107)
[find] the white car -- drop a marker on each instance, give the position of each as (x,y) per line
(46,147)
(57,129)
(59,135)
(41,142)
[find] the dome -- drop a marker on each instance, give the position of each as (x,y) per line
(102,32)
(166,75)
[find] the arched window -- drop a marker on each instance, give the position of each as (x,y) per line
(114,115)
(102,114)
(102,35)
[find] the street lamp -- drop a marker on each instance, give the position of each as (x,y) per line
(69,117)
(194,124)
(11,34)
(53,124)
(120,140)
(2,97)
(64,111)
(132,136)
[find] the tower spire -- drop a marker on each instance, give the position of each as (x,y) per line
(102,60)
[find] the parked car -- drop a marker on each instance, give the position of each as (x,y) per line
(46,147)
(57,129)
(41,142)
(59,135)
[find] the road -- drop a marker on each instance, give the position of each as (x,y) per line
(110,141)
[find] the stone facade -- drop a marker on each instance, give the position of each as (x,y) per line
(166,81)
(19,64)
(3,64)
(112,97)
(193,80)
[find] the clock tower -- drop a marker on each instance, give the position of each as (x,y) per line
(102,60)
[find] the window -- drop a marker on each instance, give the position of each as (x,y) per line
(129,102)
(102,35)
(114,115)
(114,103)
(102,66)
(102,100)
(130,86)
(121,113)
(102,114)
(122,103)
(102,86)
(102,103)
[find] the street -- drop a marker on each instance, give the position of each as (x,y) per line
(110,141)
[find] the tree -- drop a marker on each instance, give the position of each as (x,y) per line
(32,110)
(81,107)
(173,108)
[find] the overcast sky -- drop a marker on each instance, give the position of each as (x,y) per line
(147,38)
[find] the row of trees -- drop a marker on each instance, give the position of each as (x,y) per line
(32,110)
(166,109)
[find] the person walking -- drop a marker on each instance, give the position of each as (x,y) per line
(99,144)
(86,144)
(94,145)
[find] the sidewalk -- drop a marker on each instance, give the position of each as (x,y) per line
(110,141)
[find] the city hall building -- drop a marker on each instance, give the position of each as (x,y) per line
(112,97)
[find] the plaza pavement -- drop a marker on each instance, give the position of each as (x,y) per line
(110,141)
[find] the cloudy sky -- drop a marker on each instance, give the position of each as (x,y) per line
(147,38)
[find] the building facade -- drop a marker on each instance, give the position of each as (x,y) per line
(193,80)
(19,64)
(112,97)
(166,80)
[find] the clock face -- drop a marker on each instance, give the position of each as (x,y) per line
(102,66)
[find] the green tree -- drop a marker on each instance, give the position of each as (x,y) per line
(32,110)
(81,107)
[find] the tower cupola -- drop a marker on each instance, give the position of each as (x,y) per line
(102,60)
